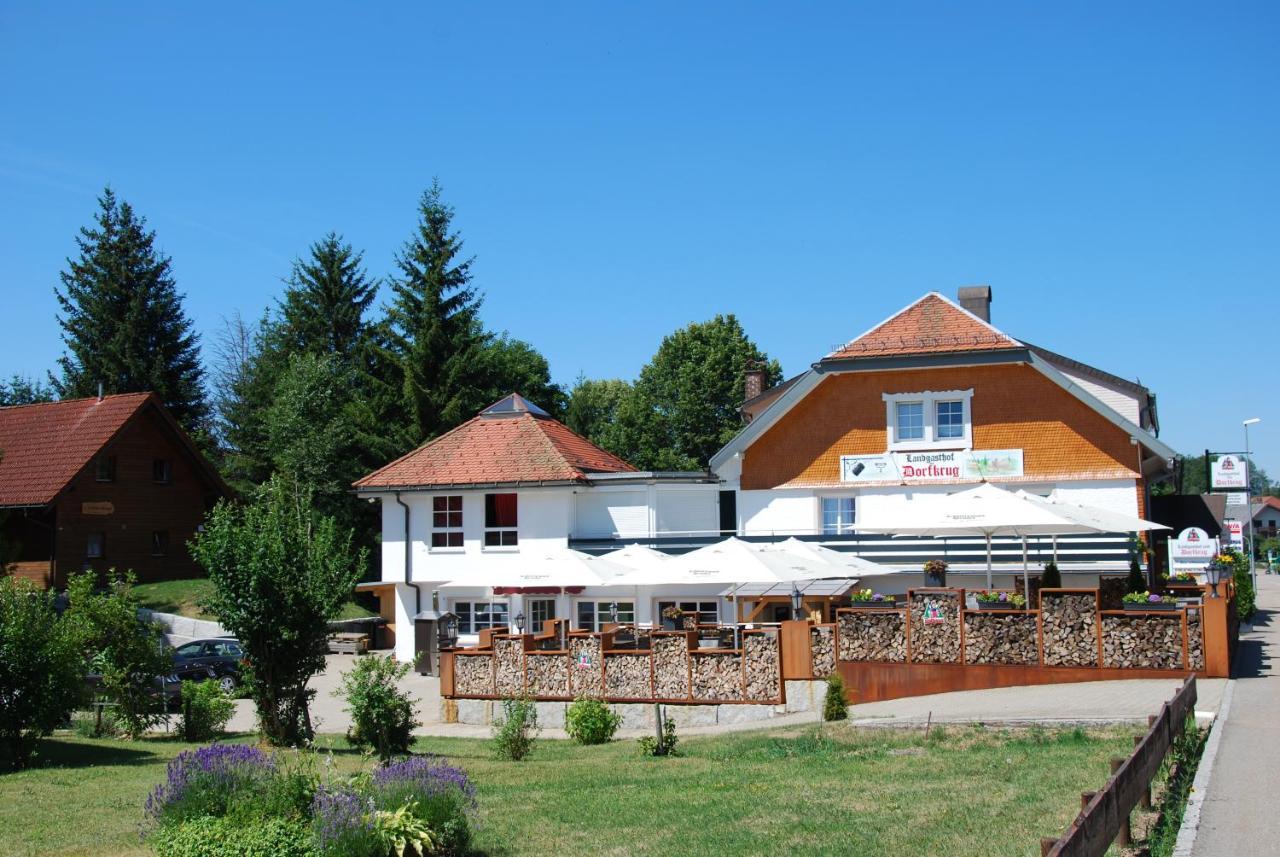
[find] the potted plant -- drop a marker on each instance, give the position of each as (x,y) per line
(672,618)
(991,599)
(1144,601)
(1183,578)
(935,573)
(864,598)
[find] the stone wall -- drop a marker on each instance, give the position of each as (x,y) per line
(546,675)
(627,677)
(1195,639)
(873,635)
(473,675)
(822,647)
(1070,629)
(935,642)
(716,675)
(763,665)
(1142,641)
(671,667)
(585,680)
(508,656)
(997,637)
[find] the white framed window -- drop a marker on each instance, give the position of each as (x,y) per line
(838,515)
(500,521)
(929,420)
(594,615)
(446,522)
(477,616)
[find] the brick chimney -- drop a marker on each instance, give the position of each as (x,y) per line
(977,300)
(754,381)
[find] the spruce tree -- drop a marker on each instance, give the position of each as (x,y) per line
(431,364)
(323,311)
(122,319)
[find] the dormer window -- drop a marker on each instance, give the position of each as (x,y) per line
(929,420)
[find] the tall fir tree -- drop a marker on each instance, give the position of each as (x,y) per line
(324,306)
(430,364)
(122,319)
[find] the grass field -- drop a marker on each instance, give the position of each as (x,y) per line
(185,597)
(964,792)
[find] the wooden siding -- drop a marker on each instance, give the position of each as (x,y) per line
(139,507)
(1014,406)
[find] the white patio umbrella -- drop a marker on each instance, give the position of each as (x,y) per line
(982,511)
(550,568)
(734,561)
(1103,520)
(846,563)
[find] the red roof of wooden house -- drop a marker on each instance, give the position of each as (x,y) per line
(43,446)
(511,441)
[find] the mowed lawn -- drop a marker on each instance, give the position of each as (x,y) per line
(964,791)
(187,598)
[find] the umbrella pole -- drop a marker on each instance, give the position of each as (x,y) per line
(1055,550)
(1026,575)
(988,560)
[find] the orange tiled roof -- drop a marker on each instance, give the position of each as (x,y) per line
(45,445)
(508,446)
(931,325)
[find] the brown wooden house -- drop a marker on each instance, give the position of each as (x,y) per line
(100,483)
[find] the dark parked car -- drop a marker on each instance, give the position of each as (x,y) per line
(203,659)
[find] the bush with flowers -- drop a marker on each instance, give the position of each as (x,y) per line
(232,799)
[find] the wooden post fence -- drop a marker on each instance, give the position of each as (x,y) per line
(1104,815)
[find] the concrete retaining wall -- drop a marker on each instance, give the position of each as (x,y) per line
(184,626)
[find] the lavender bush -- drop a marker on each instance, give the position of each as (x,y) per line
(207,781)
(342,823)
(436,792)
(211,793)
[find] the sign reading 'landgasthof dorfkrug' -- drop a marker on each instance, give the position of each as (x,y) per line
(951,466)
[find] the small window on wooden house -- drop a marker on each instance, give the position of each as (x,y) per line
(96,546)
(162,471)
(159,542)
(106,468)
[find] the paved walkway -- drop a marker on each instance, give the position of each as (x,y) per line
(1088,702)
(1238,817)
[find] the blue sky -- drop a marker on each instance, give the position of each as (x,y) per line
(622,169)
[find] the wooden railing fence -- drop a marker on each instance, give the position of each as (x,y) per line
(1104,815)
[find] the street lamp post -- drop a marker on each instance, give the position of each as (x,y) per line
(1248,502)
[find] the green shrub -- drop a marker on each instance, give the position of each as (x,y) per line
(206,708)
(590,721)
(513,732)
(1246,597)
(652,745)
(1051,578)
(207,836)
(126,651)
(41,678)
(99,723)
(835,707)
(382,716)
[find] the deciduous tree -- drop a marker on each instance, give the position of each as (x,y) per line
(280,572)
